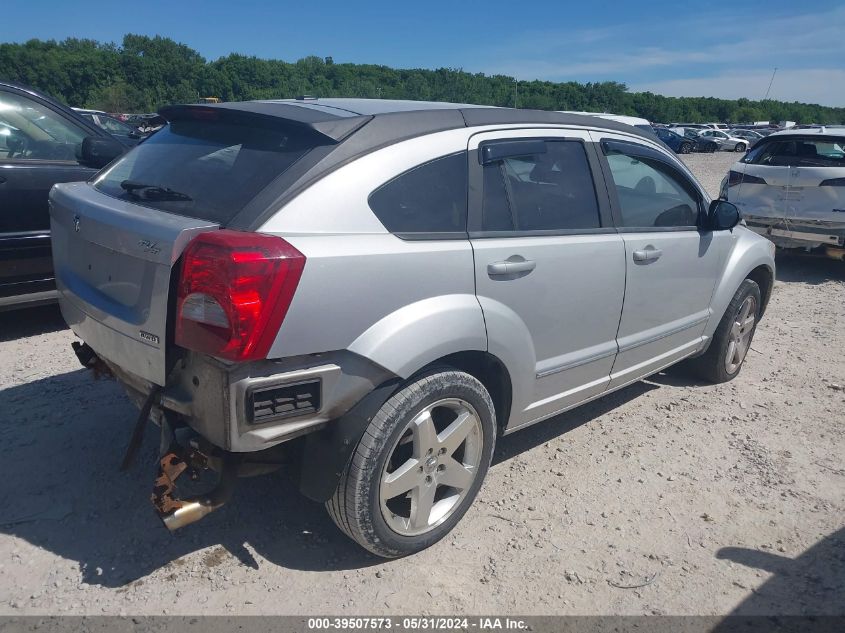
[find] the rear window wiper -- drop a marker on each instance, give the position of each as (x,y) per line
(144,191)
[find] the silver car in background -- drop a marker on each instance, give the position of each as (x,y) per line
(724,140)
(381,289)
(749,135)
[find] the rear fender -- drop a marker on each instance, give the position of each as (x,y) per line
(511,342)
(414,336)
(403,342)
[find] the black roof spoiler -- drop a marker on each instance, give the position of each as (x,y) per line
(334,128)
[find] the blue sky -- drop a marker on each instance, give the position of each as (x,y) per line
(726,49)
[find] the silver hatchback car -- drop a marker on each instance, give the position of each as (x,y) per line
(382,289)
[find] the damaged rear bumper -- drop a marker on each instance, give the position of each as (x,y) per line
(219,418)
(821,237)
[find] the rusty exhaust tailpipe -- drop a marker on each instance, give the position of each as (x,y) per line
(176,513)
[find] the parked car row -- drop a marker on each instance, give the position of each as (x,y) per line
(127,134)
(683,144)
(724,141)
(673,139)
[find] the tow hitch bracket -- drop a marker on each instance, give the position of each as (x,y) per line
(88,358)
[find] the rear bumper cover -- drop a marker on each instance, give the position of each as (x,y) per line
(212,397)
(798,232)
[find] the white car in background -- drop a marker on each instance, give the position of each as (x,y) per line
(644,125)
(791,188)
(725,141)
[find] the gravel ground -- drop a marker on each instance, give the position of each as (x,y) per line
(669,497)
(711,168)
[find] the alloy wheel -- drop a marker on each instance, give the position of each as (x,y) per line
(432,467)
(740,336)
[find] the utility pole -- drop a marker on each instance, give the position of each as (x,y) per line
(515,91)
(770,84)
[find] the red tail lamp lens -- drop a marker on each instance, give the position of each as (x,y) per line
(234,292)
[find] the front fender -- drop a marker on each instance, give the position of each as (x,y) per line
(410,338)
(749,251)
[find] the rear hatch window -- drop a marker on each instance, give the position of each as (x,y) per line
(799,152)
(208,164)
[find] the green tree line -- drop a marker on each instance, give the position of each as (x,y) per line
(145,73)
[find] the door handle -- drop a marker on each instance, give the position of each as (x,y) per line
(648,254)
(511,266)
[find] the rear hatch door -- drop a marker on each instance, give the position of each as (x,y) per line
(113,262)
(117,240)
(817,181)
(764,188)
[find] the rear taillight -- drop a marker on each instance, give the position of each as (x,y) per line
(752,180)
(234,291)
(833,182)
(737,177)
(734,178)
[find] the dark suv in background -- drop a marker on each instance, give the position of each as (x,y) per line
(42,142)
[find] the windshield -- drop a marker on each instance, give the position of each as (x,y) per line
(799,152)
(206,169)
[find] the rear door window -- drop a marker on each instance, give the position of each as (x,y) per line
(207,169)
(427,201)
(550,191)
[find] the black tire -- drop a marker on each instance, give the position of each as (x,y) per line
(356,505)
(712,365)
(740,147)
(712,148)
(686,148)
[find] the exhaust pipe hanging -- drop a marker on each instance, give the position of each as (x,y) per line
(176,513)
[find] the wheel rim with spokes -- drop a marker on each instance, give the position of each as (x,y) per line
(740,336)
(431,467)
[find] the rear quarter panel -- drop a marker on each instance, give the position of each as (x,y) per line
(399,303)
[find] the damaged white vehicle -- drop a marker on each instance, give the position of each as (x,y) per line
(791,188)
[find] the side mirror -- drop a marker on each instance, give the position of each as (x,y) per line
(98,151)
(722,215)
